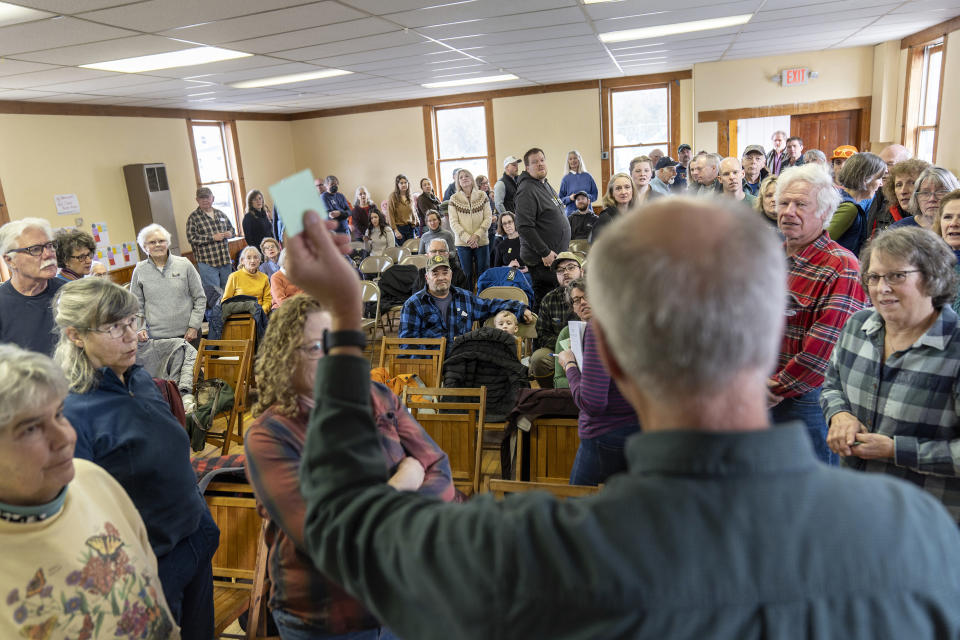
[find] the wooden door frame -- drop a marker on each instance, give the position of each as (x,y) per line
(724,117)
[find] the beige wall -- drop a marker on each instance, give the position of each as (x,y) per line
(365,148)
(948,147)
(49,155)
(555,122)
(266,151)
(888,88)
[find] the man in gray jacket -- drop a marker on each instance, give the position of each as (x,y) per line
(541,221)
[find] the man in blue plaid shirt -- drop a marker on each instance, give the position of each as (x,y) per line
(440,310)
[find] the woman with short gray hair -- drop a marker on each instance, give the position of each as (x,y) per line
(124,425)
(248,280)
(891,387)
(932,185)
(861,176)
(75,253)
(168,289)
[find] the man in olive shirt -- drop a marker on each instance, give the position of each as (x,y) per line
(721,527)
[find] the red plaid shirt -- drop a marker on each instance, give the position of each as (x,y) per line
(824,291)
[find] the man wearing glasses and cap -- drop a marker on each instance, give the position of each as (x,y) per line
(26,314)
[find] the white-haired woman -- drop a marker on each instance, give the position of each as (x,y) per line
(576,179)
(124,425)
(69,557)
(248,280)
(168,289)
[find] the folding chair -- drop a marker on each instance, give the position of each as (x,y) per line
(426,360)
(412,245)
(228,360)
(373,266)
(397,254)
(580,245)
(419,260)
(455,422)
(370,292)
(505,293)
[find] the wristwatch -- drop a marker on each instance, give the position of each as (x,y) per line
(346,338)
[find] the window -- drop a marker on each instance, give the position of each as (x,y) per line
(922,113)
(461,142)
(640,123)
(216,163)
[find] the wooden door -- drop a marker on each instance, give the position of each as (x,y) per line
(827,131)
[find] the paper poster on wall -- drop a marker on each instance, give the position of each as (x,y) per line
(108,256)
(67,203)
(100,235)
(128,254)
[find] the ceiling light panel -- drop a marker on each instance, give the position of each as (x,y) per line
(14,14)
(107,50)
(469,81)
(183,58)
(290,79)
(672,29)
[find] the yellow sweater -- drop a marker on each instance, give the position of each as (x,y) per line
(242,283)
(86,571)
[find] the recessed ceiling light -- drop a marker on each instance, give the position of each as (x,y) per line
(12,14)
(673,29)
(466,81)
(182,58)
(288,79)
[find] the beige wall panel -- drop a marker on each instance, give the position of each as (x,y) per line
(266,149)
(948,149)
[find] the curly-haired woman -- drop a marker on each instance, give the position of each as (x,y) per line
(304,603)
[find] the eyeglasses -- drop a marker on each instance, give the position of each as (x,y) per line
(36,250)
(939,193)
(570,268)
(313,350)
(117,329)
(892,278)
(83,257)
(576,301)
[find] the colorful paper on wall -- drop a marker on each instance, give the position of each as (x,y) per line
(100,235)
(107,256)
(128,254)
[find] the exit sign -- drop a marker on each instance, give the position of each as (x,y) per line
(793,77)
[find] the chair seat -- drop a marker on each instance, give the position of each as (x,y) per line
(229,603)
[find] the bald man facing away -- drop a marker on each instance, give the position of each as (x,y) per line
(722,527)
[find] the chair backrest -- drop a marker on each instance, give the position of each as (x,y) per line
(412,245)
(370,293)
(553,446)
(418,260)
(375,264)
(454,419)
(427,363)
(229,360)
(240,326)
(524,331)
(580,245)
(397,254)
(505,293)
(356,245)
(500,488)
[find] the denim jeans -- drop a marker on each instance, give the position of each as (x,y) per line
(292,628)
(806,408)
(214,276)
(407,231)
(466,256)
(186,575)
(599,458)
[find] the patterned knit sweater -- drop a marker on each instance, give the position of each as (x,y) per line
(470,217)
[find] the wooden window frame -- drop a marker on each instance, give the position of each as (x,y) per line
(433,143)
(231,150)
(914,95)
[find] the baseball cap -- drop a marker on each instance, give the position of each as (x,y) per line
(579,193)
(844,151)
(754,148)
(566,255)
(437,261)
(684,146)
(666,161)
(510,160)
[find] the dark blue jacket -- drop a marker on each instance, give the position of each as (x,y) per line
(853,238)
(127,428)
(506,277)
(338,202)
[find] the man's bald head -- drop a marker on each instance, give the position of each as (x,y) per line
(731,175)
(708,303)
(894,153)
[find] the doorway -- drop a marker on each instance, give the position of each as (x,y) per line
(827,131)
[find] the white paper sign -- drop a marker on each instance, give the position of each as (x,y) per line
(67,203)
(577,329)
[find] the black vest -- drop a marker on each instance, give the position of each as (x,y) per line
(510,192)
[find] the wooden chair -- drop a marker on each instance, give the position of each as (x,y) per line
(397,254)
(239,326)
(553,446)
(419,260)
(455,422)
(427,366)
(370,292)
(234,509)
(230,361)
(374,265)
(580,245)
(259,613)
(412,245)
(500,488)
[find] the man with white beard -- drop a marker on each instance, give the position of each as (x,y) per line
(26,314)
(666,169)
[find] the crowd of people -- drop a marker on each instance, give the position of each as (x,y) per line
(711,298)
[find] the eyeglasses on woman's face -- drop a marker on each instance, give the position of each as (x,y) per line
(117,329)
(893,278)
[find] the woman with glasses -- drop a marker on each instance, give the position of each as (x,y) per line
(947,226)
(932,185)
(304,603)
(75,253)
(124,425)
(891,389)
(168,289)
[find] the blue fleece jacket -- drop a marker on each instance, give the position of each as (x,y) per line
(127,428)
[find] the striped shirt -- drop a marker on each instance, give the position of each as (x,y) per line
(274,446)
(602,407)
(913,397)
(200,231)
(823,283)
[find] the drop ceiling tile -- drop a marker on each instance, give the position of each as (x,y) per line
(210,72)
(315,36)
(379,7)
(263,24)
(384,45)
(52,33)
(48,78)
(524,35)
(449,12)
(21,94)
(159,15)
(67,7)
(66,97)
(112,81)
(108,50)
(462,26)
(10,67)
(829,14)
